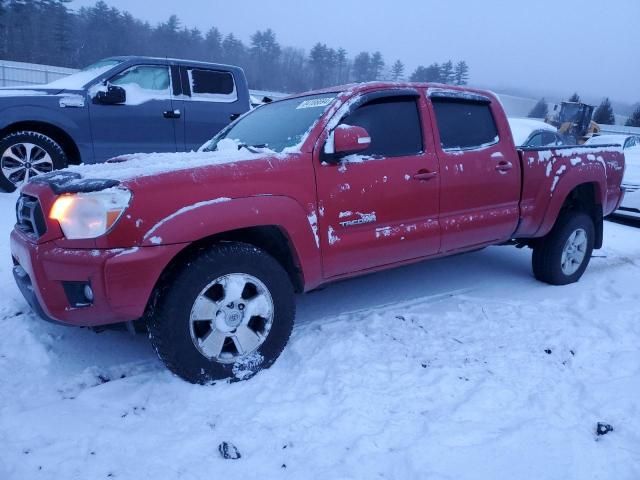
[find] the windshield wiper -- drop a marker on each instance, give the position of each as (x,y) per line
(252,148)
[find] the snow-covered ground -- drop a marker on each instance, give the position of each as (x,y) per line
(460,368)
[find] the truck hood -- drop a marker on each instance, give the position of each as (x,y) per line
(136,167)
(29,92)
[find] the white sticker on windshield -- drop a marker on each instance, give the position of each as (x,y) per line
(315,103)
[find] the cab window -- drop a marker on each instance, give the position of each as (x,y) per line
(212,85)
(464,124)
(147,77)
(393,124)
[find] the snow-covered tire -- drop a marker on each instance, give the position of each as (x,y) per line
(26,154)
(206,308)
(562,256)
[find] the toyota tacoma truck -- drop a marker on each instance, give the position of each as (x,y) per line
(208,248)
(115,106)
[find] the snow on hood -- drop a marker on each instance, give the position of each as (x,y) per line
(129,167)
(77,81)
(10,92)
(607,139)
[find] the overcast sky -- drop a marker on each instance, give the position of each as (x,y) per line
(550,47)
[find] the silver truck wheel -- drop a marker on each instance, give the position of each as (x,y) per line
(574,251)
(563,255)
(225,313)
(25,155)
(21,161)
(232,317)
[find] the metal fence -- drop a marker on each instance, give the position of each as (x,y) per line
(15,74)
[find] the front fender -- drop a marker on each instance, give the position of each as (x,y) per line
(43,114)
(74,121)
(204,219)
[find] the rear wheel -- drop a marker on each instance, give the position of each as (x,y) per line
(563,255)
(27,154)
(227,314)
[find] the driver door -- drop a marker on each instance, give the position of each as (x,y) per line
(145,123)
(380,207)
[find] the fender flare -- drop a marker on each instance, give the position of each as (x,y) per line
(562,182)
(205,219)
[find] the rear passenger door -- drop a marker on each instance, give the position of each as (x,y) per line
(480,172)
(209,99)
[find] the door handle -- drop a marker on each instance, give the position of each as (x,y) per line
(423,175)
(504,166)
(171,113)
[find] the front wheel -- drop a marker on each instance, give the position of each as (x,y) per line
(226,314)
(27,154)
(563,255)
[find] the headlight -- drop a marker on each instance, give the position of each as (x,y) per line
(89,215)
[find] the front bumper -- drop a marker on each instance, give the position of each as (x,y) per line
(122,280)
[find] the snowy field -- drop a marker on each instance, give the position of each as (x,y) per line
(461,368)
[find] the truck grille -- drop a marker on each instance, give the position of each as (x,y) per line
(30,218)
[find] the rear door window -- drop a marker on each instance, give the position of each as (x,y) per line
(464,124)
(212,85)
(393,124)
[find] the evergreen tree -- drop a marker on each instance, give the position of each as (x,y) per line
(319,62)
(540,109)
(294,71)
(604,113)
(419,74)
(265,53)
(461,73)
(397,71)
(634,119)
(213,45)
(447,72)
(49,32)
(342,66)
(362,67)
(167,37)
(233,50)
(427,74)
(376,66)
(574,98)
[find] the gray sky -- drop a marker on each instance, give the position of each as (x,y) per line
(550,47)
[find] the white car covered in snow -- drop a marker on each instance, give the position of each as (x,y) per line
(529,132)
(631,145)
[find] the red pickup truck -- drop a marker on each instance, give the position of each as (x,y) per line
(209,247)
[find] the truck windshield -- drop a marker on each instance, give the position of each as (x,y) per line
(277,125)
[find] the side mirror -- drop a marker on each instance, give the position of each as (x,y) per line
(350,139)
(113,96)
